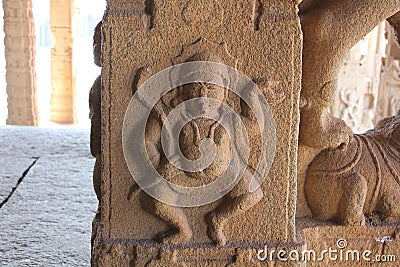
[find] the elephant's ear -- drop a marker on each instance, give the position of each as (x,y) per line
(394,21)
(386,127)
(306,5)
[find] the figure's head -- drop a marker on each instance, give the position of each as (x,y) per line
(203,90)
(97,44)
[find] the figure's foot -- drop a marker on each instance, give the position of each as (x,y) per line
(390,206)
(174,236)
(214,229)
(355,220)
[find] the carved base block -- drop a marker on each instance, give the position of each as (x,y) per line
(113,252)
(318,244)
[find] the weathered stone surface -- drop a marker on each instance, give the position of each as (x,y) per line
(142,38)
(47,220)
(36,142)
(262,39)
(151,254)
(330,30)
(226,30)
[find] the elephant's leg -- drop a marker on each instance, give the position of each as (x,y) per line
(353,199)
(390,205)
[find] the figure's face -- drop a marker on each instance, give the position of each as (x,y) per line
(205,91)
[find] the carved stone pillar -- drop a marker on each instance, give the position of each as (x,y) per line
(389,88)
(262,39)
(20,62)
(62,66)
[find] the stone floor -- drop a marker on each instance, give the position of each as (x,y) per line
(46,219)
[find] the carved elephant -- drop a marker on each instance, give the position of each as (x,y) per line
(345,183)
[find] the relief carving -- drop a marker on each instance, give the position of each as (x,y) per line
(394,103)
(258,9)
(350,111)
(193,133)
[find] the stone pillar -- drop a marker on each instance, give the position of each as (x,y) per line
(20,62)
(262,39)
(62,66)
(389,87)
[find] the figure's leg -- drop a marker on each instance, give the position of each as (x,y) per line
(390,205)
(353,199)
(230,207)
(176,218)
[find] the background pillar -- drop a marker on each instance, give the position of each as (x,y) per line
(20,62)
(389,89)
(62,66)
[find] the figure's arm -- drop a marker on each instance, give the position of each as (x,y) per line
(153,139)
(153,151)
(154,147)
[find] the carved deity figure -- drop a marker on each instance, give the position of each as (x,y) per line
(364,177)
(239,199)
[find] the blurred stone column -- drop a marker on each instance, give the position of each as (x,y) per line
(62,66)
(389,88)
(20,62)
